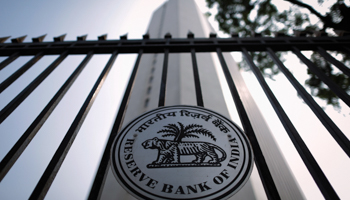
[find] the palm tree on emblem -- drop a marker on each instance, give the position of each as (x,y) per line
(180,131)
(169,152)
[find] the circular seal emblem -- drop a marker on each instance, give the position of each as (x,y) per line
(181,152)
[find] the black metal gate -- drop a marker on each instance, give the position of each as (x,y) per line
(192,45)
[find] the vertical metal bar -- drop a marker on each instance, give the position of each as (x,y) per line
(338,91)
(334,61)
(264,172)
(310,162)
(52,169)
(20,71)
(197,82)
(96,188)
(337,134)
(29,134)
(8,60)
(9,108)
(161,101)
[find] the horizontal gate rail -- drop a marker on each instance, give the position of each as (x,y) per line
(177,45)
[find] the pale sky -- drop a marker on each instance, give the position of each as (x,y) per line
(37,17)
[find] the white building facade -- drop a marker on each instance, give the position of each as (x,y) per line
(178,17)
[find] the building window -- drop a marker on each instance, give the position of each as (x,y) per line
(146,102)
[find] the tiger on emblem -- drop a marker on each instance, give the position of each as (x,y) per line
(170,151)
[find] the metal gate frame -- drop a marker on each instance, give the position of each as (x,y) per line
(192,45)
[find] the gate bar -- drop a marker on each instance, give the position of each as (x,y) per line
(264,172)
(20,71)
(332,128)
(9,60)
(9,108)
(29,134)
(98,183)
(161,101)
(197,82)
(52,169)
(334,61)
(335,88)
(310,162)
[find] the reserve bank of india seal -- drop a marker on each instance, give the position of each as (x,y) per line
(181,152)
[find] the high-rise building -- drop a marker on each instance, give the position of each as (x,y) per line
(178,18)
(59,113)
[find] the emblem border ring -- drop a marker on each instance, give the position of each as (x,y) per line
(134,189)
